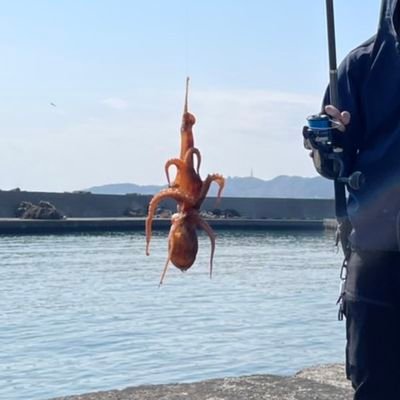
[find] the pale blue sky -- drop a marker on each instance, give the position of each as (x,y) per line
(116,71)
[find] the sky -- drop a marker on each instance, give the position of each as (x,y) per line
(91,91)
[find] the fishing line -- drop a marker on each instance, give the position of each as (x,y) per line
(185,35)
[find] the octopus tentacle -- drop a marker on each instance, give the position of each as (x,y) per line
(179,164)
(175,194)
(188,158)
(165,269)
(219,179)
(170,236)
(207,228)
(188,120)
(185,107)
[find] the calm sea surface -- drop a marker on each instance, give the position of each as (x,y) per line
(82,313)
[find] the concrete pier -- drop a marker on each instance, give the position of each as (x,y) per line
(320,383)
(31,226)
(88,205)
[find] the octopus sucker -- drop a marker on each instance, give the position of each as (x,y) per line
(189,192)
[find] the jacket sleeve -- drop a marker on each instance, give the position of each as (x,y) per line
(349,90)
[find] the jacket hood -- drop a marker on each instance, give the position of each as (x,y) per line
(389,23)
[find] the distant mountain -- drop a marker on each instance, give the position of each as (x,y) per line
(124,188)
(282,187)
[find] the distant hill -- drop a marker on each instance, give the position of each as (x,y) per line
(124,188)
(282,186)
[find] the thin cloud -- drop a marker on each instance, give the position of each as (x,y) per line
(116,103)
(236,131)
(275,114)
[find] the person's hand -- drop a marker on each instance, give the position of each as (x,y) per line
(340,119)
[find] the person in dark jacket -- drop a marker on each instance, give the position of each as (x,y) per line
(369,116)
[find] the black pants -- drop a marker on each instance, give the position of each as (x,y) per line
(372,309)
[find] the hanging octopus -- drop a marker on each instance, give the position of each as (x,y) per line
(189,191)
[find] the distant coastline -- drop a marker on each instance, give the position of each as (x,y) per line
(294,187)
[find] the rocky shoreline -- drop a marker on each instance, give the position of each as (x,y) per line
(325,382)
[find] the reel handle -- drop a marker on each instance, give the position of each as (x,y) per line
(355,180)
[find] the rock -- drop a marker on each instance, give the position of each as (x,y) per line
(162,212)
(333,374)
(319,383)
(44,210)
(231,213)
(135,212)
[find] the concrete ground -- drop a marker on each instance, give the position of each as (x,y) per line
(320,383)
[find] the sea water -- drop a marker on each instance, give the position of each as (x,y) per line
(81,313)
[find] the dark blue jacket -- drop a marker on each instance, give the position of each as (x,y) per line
(369,88)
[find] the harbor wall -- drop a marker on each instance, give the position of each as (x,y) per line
(88,205)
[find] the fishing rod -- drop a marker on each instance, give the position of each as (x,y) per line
(339,185)
(333,81)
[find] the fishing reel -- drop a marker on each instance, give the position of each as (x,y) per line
(322,136)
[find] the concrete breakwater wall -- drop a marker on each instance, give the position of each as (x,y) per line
(88,205)
(40,226)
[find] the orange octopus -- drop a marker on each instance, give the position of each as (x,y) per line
(189,191)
